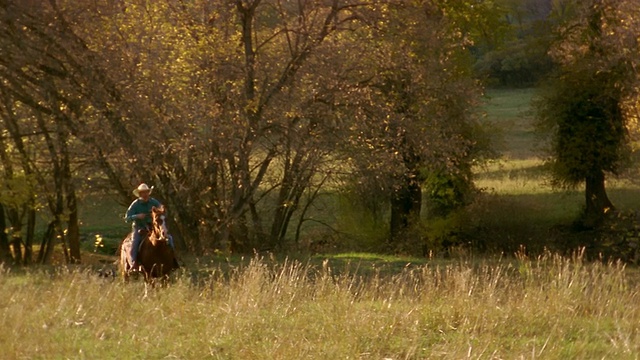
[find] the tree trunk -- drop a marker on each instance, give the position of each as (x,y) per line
(65,243)
(257,230)
(239,236)
(597,201)
(11,213)
(15,219)
(288,201)
(54,230)
(48,241)
(67,188)
(406,203)
(73,229)
(278,225)
(28,242)
(5,250)
(16,245)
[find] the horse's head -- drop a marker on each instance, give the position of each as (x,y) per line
(159,223)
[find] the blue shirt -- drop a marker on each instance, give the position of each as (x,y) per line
(139,206)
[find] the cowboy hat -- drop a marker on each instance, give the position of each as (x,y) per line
(142,187)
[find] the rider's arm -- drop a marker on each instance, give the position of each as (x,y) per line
(132,212)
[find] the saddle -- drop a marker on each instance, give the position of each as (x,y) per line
(144,232)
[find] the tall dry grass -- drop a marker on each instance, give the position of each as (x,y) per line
(544,308)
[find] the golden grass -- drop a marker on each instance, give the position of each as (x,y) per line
(544,308)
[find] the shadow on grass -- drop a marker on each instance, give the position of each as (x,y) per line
(505,223)
(532,172)
(200,269)
(368,263)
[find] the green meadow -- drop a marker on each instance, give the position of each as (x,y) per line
(519,206)
(350,305)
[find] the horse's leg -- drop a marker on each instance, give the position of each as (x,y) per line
(147,277)
(124,270)
(152,281)
(146,290)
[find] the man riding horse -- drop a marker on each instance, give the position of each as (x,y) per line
(139,214)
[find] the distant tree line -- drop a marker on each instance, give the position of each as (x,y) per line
(515,50)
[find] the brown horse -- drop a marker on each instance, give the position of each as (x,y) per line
(156,257)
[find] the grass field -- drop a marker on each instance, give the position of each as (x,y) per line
(349,305)
(544,308)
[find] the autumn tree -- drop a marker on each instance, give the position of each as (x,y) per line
(216,126)
(237,111)
(36,104)
(417,116)
(588,105)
